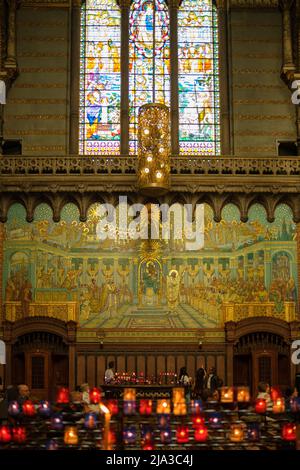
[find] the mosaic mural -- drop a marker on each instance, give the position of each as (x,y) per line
(243,268)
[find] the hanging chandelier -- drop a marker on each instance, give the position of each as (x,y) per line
(154,149)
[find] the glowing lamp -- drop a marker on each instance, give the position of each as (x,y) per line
(28,408)
(182,434)
(51,445)
(179,409)
(153,149)
(71,436)
(145,407)
(243,394)
(63,395)
(13,408)
(196,407)
(44,409)
(288,432)
(198,421)
(90,421)
(236,433)
(129,407)
(201,434)
(129,435)
(279,405)
(227,395)
(178,395)
(163,406)
(5,434)
(275,393)
(95,396)
(129,394)
(215,420)
(57,422)
(166,436)
(112,405)
(19,434)
(260,406)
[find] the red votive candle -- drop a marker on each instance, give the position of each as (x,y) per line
(201,434)
(260,405)
(5,434)
(198,421)
(112,405)
(145,407)
(63,395)
(288,432)
(19,434)
(182,434)
(95,395)
(28,408)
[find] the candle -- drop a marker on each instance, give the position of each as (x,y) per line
(44,409)
(129,407)
(166,436)
(182,434)
(57,422)
(253,432)
(295,404)
(129,394)
(112,405)
(163,421)
(236,433)
(198,421)
(19,434)
(95,395)
(163,406)
(288,432)
(275,393)
(243,394)
(13,408)
(145,407)
(148,446)
(178,395)
(28,408)
(71,435)
(5,434)
(90,421)
(279,405)
(129,435)
(201,434)
(107,417)
(215,420)
(226,394)
(63,395)
(179,409)
(196,407)
(260,405)
(51,445)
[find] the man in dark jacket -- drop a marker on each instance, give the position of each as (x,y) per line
(212,381)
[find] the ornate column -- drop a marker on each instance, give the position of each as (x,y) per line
(11,60)
(288,65)
(230,339)
(1,270)
(74,77)
(298,267)
(224,74)
(174,108)
(125,8)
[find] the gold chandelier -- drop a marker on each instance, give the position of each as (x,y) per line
(154,149)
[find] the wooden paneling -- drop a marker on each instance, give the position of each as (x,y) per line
(150,365)
(80,369)
(130,364)
(211,362)
(190,365)
(91,370)
(141,363)
(100,369)
(221,367)
(171,364)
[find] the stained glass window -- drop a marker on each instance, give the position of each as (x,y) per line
(199,130)
(100,79)
(149,59)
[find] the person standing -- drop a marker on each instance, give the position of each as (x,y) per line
(199,383)
(109,376)
(212,382)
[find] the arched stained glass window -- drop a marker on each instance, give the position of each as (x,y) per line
(100,80)
(199,129)
(149,59)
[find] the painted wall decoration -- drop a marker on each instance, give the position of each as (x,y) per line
(242,269)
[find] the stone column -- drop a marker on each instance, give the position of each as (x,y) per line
(288,63)
(11,61)
(298,268)
(2,312)
(224,73)
(74,77)
(174,108)
(125,8)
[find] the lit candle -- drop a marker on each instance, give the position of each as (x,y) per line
(236,433)
(275,393)
(260,405)
(288,432)
(129,435)
(129,407)
(226,394)
(178,395)
(163,421)
(44,409)
(148,446)
(295,404)
(13,408)
(215,420)
(95,395)
(28,408)
(163,406)
(253,432)
(179,409)
(112,405)
(279,405)
(57,422)
(90,421)
(243,394)
(196,407)
(5,434)
(71,435)
(145,407)
(63,395)
(182,434)
(19,434)
(107,417)
(51,445)
(129,394)
(166,436)
(198,421)
(201,434)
